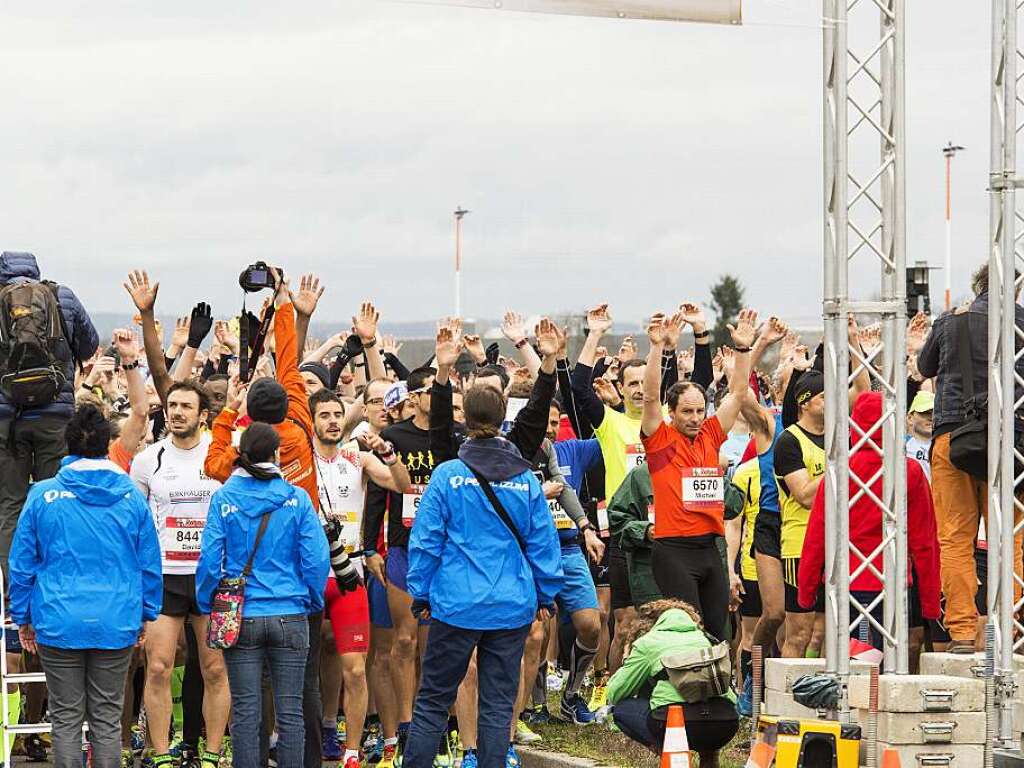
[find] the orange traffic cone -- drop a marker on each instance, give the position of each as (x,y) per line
(890,758)
(675,752)
(761,755)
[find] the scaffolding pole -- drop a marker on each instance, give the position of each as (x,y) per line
(864,198)
(1003,382)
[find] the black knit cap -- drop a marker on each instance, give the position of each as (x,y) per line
(267,401)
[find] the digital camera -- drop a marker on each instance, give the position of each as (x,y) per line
(256,277)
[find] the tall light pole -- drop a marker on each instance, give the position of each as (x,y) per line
(949,152)
(459,213)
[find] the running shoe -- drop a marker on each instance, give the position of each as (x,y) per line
(138,740)
(352,762)
(745,701)
(469,759)
(226,754)
(127,759)
(526,736)
(388,756)
(599,695)
(373,745)
(177,743)
(538,715)
(35,749)
(511,758)
(147,757)
(330,748)
(574,709)
(190,758)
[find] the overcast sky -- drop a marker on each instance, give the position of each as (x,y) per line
(625,161)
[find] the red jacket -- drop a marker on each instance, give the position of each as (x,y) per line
(866,521)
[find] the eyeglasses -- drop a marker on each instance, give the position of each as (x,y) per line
(375,401)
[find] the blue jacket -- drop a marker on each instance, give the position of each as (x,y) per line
(85,562)
(291,566)
(22,267)
(464,561)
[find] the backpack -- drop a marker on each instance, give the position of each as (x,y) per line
(701,674)
(35,348)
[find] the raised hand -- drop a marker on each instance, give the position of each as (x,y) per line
(549,337)
(606,391)
(199,324)
(773,331)
(789,343)
(917,332)
(627,350)
(389,346)
(309,293)
(475,347)
(142,292)
(180,336)
(801,359)
(728,361)
(446,346)
(365,323)
(673,327)
(745,330)
(599,320)
(513,327)
(124,342)
(222,332)
(693,315)
(685,362)
(656,332)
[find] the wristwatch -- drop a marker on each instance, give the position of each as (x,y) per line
(131,366)
(370,343)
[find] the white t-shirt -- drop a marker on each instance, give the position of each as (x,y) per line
(342,493)
(178,491)
(918,449)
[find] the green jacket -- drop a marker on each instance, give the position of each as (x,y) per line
(674,632)
(628,519)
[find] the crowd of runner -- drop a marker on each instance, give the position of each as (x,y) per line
(680,495)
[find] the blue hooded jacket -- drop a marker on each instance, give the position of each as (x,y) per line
(85,561)
(291,566)
(22,267)
(464,561)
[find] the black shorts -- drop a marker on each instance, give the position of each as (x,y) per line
(599,571)
(790,571)
(767,535)
(618,580)
(751,608)
(180,596)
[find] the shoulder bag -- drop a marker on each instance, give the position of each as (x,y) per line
(968,444)
(228,601)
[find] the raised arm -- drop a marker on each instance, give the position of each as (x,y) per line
(743,335)
(305,300)
(144,293)
(659,330)
(447,346)
(531,423)
(134,428)
(365,326)
(382,465)
(514,329)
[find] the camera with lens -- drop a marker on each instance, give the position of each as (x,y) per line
(256,277)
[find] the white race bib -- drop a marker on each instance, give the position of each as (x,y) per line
(411,504)
(636,455)
(602,520)
(182,538)
(562,520)
(703,488)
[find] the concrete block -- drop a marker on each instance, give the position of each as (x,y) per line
(920,693)
(780,674)
(782,705)
(928,727)
(961,664)
(953,755)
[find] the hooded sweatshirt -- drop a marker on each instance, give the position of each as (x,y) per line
(16,267)
(866,520)
(85,561)
(673,632)
(292,562)
(464,561)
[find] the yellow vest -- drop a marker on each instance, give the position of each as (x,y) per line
(747,478)
(794,515)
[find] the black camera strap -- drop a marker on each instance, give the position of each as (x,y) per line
(249,353)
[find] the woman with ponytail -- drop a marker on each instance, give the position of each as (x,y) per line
(290,564)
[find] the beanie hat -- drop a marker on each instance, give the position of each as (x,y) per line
(317,369)
(267,401)
(809,385)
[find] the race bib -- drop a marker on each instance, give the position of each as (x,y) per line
(703,488)
(411,504)
(650,514)
(602,520)
(182,538)
(562,520)
(635,455)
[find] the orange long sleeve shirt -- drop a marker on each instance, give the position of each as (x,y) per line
(296,431)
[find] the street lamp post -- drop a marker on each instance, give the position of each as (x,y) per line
(949,152)
(459,213)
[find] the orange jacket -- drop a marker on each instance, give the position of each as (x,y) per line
(296,431)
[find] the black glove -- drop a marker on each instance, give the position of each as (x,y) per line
(420,607)
(353,346)
(492,353)
(199,325)
(350,581)
(252,327)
